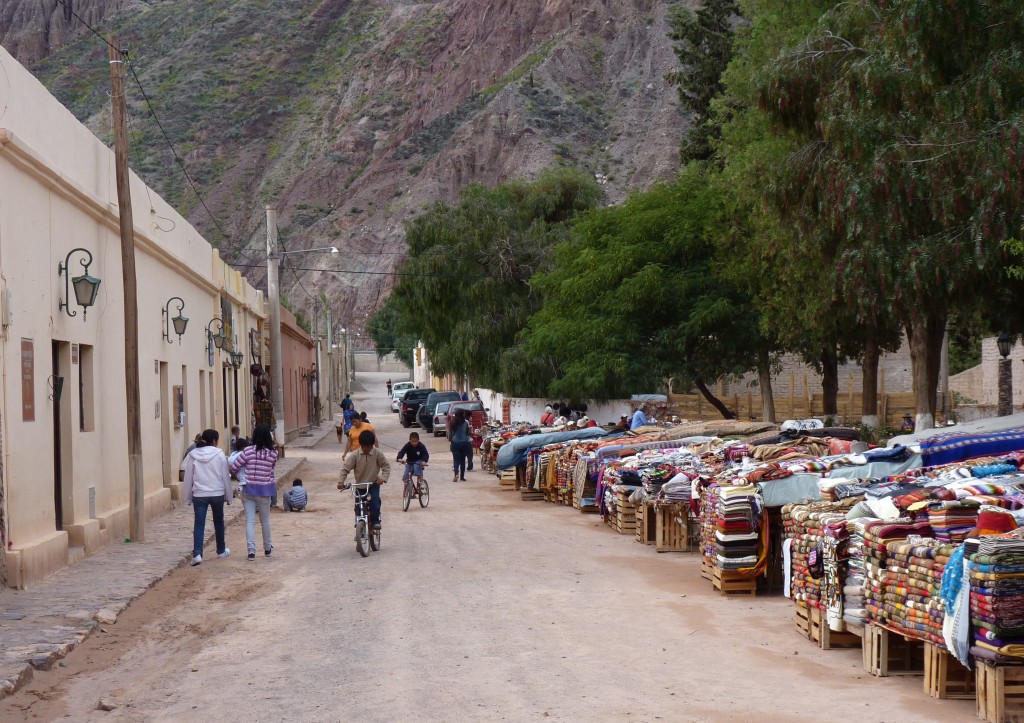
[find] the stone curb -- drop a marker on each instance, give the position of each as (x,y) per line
(20,656)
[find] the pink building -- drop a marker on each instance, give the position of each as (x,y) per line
(298,361)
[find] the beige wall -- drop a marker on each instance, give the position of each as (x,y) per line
(298,355)
(57,193)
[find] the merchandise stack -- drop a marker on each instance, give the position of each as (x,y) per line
(737,519)
(952,521)
(997,599)
(854,612)
(877,536)
(912,600)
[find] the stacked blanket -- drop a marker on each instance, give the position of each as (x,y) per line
(877,536)
(952,521)
(854,611)
(912,599)
(818,527)
(737,519)
(997,598)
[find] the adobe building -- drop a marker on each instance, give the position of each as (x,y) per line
(63,415)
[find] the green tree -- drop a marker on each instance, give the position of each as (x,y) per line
(466,287)
(704,46)
(389,334)
(915,180)
(634,299)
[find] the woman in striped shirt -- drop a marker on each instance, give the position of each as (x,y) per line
(259,462)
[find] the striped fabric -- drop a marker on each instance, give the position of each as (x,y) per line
(259,471)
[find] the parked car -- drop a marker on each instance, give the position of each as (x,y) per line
(425,415)
(396,397)
(411,402)
(474,409)
(441,419)
(400,386)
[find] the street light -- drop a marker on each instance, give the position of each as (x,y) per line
(86,287)
(1005,405)
(179,322)
(218,339)
(274,298)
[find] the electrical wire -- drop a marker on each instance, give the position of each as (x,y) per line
(353,271)
(69,10)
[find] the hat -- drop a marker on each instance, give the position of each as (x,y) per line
(993,522)
(907,415)
(583,421)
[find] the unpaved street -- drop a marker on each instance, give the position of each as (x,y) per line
(479,608)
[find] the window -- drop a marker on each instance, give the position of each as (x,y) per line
(86,392)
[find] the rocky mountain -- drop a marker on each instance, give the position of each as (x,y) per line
(351,116)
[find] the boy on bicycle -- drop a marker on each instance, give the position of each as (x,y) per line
(416,455)
(370,466)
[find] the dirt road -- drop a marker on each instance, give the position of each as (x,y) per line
(479,608)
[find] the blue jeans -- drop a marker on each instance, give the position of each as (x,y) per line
(200,504)
(374,504)
(460,452)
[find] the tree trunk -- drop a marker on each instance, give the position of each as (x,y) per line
(830,381)
(764,375)
(869,394)
(924,334)
(713,400)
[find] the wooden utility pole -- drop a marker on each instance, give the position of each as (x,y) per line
(136,496)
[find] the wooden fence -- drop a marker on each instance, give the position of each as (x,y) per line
(799,403)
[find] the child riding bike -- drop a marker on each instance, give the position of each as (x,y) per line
(370,467)
(416,456)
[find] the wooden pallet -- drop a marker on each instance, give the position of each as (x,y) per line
(887,652)
(729,582)
(802,618)
(531,495)
(550,494)
(645,522)
(829,639)
(944,677)
(1000,692)
(672,533)
(507,480)
(705,568)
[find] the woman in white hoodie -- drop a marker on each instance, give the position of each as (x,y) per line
(207,485)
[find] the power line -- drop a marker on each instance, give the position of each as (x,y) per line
(352,271)
(68,10)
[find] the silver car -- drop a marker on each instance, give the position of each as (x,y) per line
(441,419)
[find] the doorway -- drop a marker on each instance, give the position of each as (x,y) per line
(58,466)
(165,425)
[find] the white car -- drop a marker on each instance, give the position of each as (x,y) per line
(397,394)
(441,419)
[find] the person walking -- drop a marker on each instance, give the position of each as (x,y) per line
(460,445)
(259,462)
(207,485)
(389,389)
(359,425)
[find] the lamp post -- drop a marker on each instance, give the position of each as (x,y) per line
(274,298)
(219,339)
(1005,407)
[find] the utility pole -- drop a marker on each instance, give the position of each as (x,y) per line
(137,492)
(274,297)
(330,364)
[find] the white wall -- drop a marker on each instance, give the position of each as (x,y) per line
(57,193)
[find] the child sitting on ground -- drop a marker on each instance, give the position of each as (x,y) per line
(296,498)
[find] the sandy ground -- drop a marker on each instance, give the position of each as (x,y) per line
(479,608)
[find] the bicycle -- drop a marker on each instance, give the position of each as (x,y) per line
(415,486)
(366,538)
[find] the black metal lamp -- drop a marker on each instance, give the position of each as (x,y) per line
(1003,342)
(86,287)
(218,339)
(179,322)
(236,358)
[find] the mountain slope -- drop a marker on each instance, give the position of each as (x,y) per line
(351,116)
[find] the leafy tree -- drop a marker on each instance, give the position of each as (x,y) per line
(466,287)
(635,299)
(915,179)
(389,334)
(704,46)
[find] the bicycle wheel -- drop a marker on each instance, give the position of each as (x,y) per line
(424,493)
(407,496)
(362,543)
(374,540)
